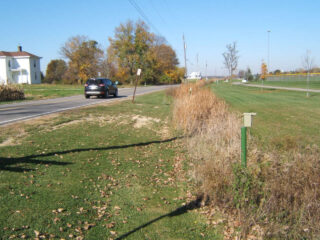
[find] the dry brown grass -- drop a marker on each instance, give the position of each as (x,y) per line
(213,142)
(11,92)
(280,191)
(292,194)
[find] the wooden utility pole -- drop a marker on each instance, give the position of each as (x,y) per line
(185,57)
(135,87)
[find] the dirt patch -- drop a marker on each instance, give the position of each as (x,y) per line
(18,135)
(165,132)
(8,142)
(62,125)
(101,120)
(143,121)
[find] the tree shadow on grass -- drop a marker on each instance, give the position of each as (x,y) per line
(5,162)
(179,211)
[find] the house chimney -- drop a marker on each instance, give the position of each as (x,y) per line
(19,48)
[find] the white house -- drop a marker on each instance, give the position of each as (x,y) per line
(19,67)
(195,75)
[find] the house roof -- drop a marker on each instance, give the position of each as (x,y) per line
(17,54)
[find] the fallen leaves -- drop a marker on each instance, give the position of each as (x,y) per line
(59,210)
(39,235)
(111,225)
(117,208)
(87,226)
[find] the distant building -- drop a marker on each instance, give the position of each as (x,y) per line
(19,67)
(195,75)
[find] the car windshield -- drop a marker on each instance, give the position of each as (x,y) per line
(94,81)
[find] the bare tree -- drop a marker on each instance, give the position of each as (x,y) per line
(308,64)
(231,58)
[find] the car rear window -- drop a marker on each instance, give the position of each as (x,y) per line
(94,81)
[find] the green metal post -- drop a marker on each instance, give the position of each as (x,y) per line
(244,146)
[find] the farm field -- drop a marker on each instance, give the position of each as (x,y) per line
(283,117)
(103,172)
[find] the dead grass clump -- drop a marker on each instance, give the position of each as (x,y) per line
(11,92)
(292,189)
(194,106)
(214,141)
(279,190)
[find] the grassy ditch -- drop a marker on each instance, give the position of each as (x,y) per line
(277,195)
(106,172)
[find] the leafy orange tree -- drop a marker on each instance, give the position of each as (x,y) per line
(264,71)
(133,47)
(85,59)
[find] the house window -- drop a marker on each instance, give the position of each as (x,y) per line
(35,76)
(34,63)
(9,64)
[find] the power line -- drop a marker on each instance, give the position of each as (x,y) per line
(154,8)
(143,15)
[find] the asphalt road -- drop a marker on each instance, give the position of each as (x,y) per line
(16,112)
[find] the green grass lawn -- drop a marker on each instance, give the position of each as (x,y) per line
(314,83)
(102,172)
(284,118)
(43,91)
(46,91)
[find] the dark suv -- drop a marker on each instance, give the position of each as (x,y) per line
(101,87)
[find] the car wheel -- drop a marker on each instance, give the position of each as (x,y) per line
(87,96)
(106,94)
(116,93)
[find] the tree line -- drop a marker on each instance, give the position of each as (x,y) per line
(231,57)
(132,47)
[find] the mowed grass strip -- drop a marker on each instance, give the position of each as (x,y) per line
(314,83)
(285,119)
(106,172)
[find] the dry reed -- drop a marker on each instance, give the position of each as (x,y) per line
(279,190)
(11,92)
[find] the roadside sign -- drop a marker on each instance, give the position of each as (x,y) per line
(139,72)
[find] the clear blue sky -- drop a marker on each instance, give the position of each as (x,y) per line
(42,27)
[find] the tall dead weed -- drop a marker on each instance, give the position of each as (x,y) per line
(280,190)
